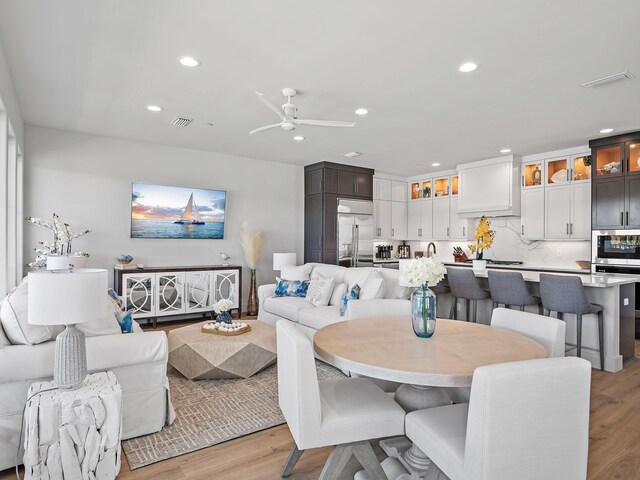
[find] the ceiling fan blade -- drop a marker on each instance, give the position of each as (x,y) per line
(271,106)
(266,127)
(324,123)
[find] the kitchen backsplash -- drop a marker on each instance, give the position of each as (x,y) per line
(509,245)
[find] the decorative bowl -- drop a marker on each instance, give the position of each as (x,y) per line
(124,259)
(584,264)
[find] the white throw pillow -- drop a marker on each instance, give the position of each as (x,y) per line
(373,287)
(14,319)
(296,273)
(108,325)
(4,341)
(320,289)
(338,292)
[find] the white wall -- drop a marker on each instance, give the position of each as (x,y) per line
(86,179)
(9,102)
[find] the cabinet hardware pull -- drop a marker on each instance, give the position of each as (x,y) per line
(523,180)
(320,241)
(464,231)
(571,228)
(447,232)
(622,218)
(522,229)
(393,232)
(567,229)
(627,219)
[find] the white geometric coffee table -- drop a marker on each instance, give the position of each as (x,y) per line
(205,356)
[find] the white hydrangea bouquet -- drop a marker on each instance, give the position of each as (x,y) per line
(420,273)
(222,307)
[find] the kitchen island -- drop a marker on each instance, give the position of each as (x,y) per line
(616,293)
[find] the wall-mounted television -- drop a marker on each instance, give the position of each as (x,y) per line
(159,211)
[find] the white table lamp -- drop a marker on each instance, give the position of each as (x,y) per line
(68,298)
(283,260)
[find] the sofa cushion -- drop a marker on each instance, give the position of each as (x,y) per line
(4,341)
(357,275)
(329,271)
(302,272)
(374,287)
(320,290)
(392,288)
(14,319)
(286,307)
(338,292)
(319,317)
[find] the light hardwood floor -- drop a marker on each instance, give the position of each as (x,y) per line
(614,448)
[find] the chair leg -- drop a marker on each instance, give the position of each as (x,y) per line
(522,308)
(367,458)
(494,305)
(601,337)
(452,312)
(294,456)
(540,309)
(474,313)
(545,312)
(579,335)
(468,316)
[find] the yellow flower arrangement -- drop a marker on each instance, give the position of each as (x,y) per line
(484,238)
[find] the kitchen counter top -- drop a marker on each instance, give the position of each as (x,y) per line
(531,274)
(386,260)
(533,268)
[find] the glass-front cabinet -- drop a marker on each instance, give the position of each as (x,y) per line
(441,187)
(580,168)
(608,161)
(633,156)
(420,189)
(557,171)
(454,185)
(532,174)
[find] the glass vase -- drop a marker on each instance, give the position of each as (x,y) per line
(224,317)
(423,312)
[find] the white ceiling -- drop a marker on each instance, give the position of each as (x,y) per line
(93,65)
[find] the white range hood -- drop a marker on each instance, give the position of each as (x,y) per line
(490,187)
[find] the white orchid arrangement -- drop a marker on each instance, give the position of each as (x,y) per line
(223,305)
(420,272)
(63,237)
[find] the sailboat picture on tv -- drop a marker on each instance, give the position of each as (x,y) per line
(159,211)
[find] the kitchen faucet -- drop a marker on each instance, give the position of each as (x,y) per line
(431,244)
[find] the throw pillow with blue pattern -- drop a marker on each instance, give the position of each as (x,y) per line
(291,288)
(352,294)
(124,317)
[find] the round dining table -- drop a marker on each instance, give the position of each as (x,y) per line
(386,348)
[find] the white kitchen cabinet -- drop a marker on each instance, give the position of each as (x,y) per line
(382,189)
(568,212)
(459,228)
(533,214)
(580,228)
(398,191)
(382,218)
(399,220)
(420,220)
(440,218)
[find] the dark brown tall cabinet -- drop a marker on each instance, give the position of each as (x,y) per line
(615,174)
(324,183)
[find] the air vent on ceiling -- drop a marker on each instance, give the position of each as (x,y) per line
(181,121)
(352,154)
(601,82)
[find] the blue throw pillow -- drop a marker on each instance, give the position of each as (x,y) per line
(125,319)
(114,296)
(352,294)
(291,288)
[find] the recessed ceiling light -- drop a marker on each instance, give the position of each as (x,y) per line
(505,150)
(606,130)
(188,62)
(352,154)
(209,124)
(362,111)
(435,164)
(154,108)
(468,67)
(298,138)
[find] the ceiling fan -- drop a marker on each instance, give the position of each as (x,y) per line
(288,115)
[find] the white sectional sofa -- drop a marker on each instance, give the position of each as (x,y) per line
(139,361)
(310,318)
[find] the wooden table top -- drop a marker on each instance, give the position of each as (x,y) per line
(387,348)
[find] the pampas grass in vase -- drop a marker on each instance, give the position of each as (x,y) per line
(252,248)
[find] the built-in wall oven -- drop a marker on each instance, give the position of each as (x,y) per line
(618,251)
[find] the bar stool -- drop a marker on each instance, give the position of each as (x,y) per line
(509,289)
(464,284)
(565,294)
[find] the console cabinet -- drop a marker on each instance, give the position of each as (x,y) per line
(161,292)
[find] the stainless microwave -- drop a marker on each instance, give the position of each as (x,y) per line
(615,247)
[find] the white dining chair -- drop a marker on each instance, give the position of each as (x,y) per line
(343,413)
(527,420)
(547,331)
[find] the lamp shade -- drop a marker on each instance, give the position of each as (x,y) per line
(67,298)
(283,260)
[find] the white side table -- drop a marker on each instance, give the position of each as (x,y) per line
(74,435)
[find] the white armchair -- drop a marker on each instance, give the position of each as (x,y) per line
(345,413)
(527,420)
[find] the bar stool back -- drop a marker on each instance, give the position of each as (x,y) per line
(509,289)
(565,294)
(464,284)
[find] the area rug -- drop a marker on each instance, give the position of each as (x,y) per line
(209,412)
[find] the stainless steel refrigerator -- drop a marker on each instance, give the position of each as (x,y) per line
(355,233)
